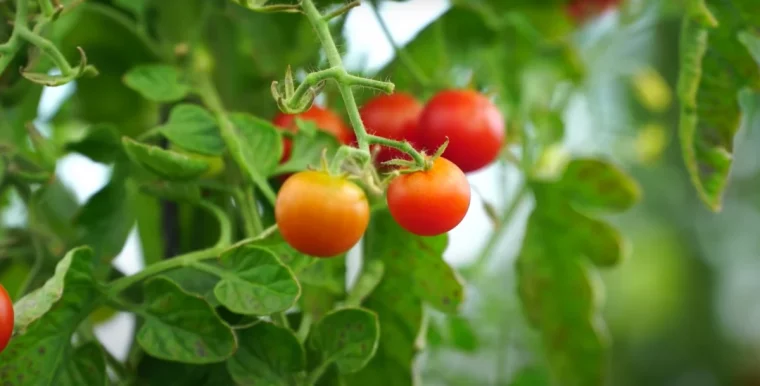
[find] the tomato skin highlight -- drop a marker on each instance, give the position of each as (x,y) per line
(325,120)
(432,202)
(472,124)
(6,318)
(393,116)
(321,215)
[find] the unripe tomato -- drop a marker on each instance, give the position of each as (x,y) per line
(321,215)
(325,120)
(392,116)
(581,10)
(6,318)
(472,124)
(431,202)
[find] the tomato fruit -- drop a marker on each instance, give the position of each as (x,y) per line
(581,10)
(392,116)
(6,318)
(430,202)
(472,124)
(325,120)
(321,215)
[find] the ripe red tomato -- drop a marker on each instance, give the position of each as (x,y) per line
(581,10)
(431,202)
(392,116)
(321,215)
(472,124)
(325,120)
(6,318)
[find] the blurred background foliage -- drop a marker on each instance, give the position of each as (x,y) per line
(681,308)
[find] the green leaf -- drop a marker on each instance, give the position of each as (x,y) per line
(87,367)
(598,241)
(752,42)
(329,274)
(100,143)
(167,164)
(260,142)
(194,129)
(104,222)
(268,356)
(256,283)
(462,334)
(596,184)
(175,191)
(181,327)
(297,261)
(348,337)
(307,149)
(157,82)
(152,371)
(46,319)
(400,316)
(531,376)
(416,257)
(710,113)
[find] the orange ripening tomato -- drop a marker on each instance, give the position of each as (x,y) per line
(321,215)
(430,202)
(582,10)
(392,116)
(6,318)
(325,120)
(472,124)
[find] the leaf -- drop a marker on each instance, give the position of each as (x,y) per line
(348,337)
(752,42)
(167,164)
(596,184)
(329,274)
(255,283)
(152,371)
(297,261)
(41,352)
(268,356)
(462,334)
(710,113)
(261,145)
(530,376)
(307,149)
(100,143)
(400,316)
(105,220)
(175,191)
(194,129)
(181,327)
(157,82)
(87,367)
(416,257)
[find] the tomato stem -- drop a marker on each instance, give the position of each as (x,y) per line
(225,237)
(404,146)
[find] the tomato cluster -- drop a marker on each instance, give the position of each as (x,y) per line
(6,318)
(324,215)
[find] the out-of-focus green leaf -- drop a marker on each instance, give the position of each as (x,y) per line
(100,143)
(171,165)
(531,376)
(462,334)
(175,191)
(157,82)
(181,327)
(710,113)
(194,129)
(596,184)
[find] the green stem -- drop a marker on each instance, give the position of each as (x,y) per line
(211,99)
(406,60)
(303,329)
(345,8)
(47,47)
(280,319)
(47,8)
(339,75)
(333,57)
(250,197)
(245,212)
(225,237)
(404,146)
(314,376)
(480,262)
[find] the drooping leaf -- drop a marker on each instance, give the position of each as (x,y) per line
(194,129)
(167,164)
(348,337)
(255,282)
(181,327)
(268,356)
(46,320)
(710,112)
(419,258)
(157,82)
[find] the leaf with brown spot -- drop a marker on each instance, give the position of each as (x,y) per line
(348,337)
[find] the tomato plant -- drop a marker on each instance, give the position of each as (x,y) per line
(430,202)
(472,124)
(6,318)
(142,141)
(321,215)
(392,116)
